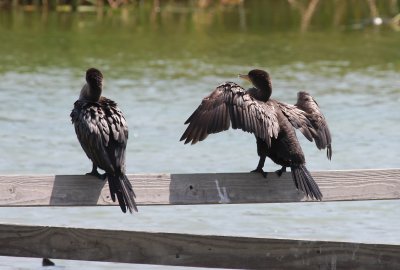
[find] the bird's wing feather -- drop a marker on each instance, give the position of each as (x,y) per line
(231,104)
(321,134)
(298,118)
(119,133)
(102,132)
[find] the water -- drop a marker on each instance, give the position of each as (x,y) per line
(159,65)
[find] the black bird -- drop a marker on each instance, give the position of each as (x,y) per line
(102,131)
(272,122)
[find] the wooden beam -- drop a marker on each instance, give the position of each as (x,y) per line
(161,189)
(192,250)
(8,262)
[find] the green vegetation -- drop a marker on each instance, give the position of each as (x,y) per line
(139,34)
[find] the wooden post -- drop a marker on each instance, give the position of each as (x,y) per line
(15,3)
(52,4)
(74,5)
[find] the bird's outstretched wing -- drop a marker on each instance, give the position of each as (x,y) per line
(102,132)
(322,135)
(306,116)
(230,103)
(298,118)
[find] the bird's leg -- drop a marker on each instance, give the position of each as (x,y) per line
(260,166)
(95,173)
(282,170)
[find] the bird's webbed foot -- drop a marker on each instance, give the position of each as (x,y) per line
(260,170)
(96,174)
(280,171)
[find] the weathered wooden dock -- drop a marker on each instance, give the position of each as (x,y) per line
(182,249)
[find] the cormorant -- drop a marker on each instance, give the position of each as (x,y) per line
(271,121)
(102,131)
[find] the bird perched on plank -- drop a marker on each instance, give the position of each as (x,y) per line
(272,122)
(102,131)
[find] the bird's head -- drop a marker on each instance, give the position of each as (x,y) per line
(259,78)
(94,78)
(92,89)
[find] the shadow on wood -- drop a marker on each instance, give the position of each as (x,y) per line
(232,188)
(67,190)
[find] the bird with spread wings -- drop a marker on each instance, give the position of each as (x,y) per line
(271,121)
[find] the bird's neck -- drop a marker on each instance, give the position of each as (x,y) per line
(264,91)
(90,93)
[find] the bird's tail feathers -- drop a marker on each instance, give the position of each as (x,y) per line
(121,187)
(305,182)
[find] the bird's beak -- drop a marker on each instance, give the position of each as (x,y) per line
(244,77)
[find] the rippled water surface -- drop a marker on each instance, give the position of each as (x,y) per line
(159,65)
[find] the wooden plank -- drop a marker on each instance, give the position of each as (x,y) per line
(181,189)
(21,263)
(192,250)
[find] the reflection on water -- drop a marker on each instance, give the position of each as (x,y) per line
(233,13)
(158,64)
(253,33)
